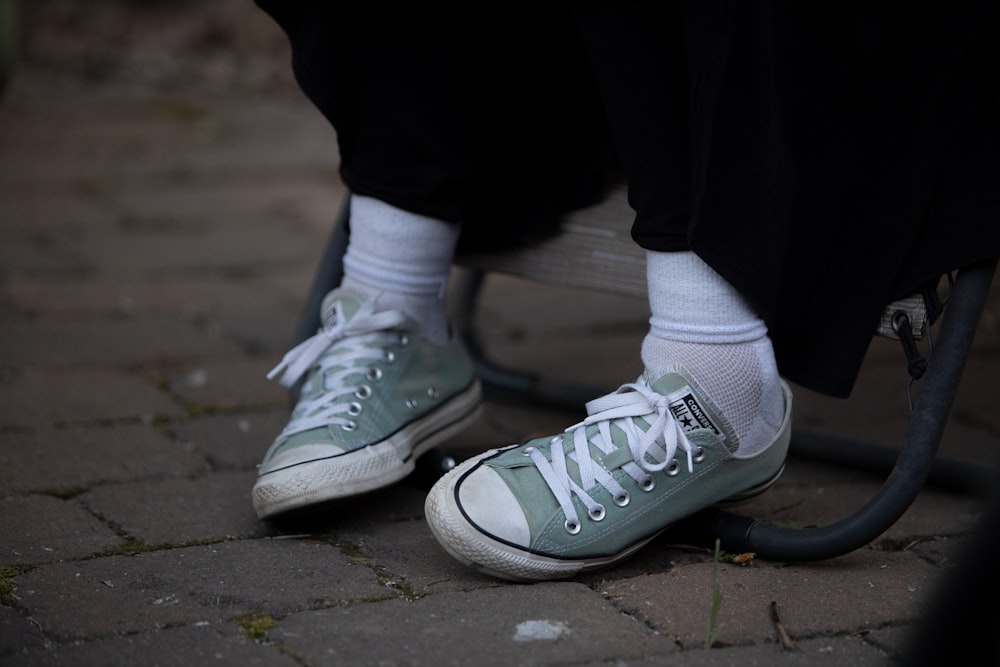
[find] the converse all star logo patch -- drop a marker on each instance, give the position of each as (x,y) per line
(689,413)
(331,319)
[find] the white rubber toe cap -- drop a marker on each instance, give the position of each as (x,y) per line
(488,502)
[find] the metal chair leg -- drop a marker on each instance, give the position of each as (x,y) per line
(925,428)
(503,382)
(328,275)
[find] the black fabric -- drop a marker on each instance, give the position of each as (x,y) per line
(825,158)
(841,154)
(457,112)
(640,64)
(865,174)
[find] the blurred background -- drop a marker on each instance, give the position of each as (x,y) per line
(166,44)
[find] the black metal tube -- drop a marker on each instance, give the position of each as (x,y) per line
(923,434)
(328,275)
(948,474)
(466,286)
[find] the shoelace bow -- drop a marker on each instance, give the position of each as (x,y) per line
(652,449)
(356,338)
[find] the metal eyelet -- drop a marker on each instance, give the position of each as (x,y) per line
(527,450)
(572,527)
(673,468)
(648,484)
(623,498)
(374,374)
(390,356)
(411,403)
(364,392)
(597,513)
(699,455)
(349,426)
(432,392)
(404,340)
(354,409)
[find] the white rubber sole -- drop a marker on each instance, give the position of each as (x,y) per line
(366,469)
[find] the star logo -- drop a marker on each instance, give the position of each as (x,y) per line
(689,413)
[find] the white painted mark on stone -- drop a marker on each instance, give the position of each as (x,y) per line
(541,630)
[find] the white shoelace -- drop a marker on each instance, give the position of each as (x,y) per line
(652,450)
(360,340)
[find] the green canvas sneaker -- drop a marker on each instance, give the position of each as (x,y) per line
(376,397)
(647,455)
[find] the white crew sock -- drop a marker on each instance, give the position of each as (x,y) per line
(403,257)
(700,321)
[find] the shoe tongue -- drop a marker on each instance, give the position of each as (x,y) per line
(691,406)
(349,300)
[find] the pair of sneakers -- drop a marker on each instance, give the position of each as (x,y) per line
(376,396)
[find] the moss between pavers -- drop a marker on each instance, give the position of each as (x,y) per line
(64,493)
(385,577)
(255,624)
(7,585)
(130,547)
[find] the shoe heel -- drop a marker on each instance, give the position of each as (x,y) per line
(751,493)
